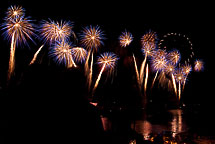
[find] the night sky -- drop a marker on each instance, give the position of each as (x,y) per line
(192,19)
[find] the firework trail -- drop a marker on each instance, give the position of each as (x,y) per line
(91,38)
(174,83)
(52,31)
(136,70)
(170,68)
(180,78)
(148,49)
(35,55)
(12,60)
(173,58)
(148,42)
(186,69)
(108,61)
(146,78)
(17,29)
(91,71)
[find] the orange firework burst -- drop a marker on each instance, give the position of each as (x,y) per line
(21,27)
(180,77)
(125,39)
(61,53)
(79,54)
(17,29)
(56,31)
(199,65)
(186,69)
(174,57)
(14,12)
(150,37)
(159,61)
(91,38)
(108,61)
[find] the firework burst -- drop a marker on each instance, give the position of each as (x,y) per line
(15,12)
(148,48)
(91,38)
(17,29)
(125,39)
(21,27)
(108,61)
(79,54)
(62,54)
(170,68)
(174,57)
(159,61)
(148,42)
(199,65)
(180,78)
(186,69)
(56,31)
(149,37)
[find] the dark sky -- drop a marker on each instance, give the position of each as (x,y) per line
(191,19)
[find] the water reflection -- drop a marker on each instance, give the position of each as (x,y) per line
(174,124)
(144,127)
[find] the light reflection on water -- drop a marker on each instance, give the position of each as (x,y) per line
(175,124)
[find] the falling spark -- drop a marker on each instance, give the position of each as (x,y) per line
(108,61)
(35,55)
(171,40)
(61,53)
(125,39)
